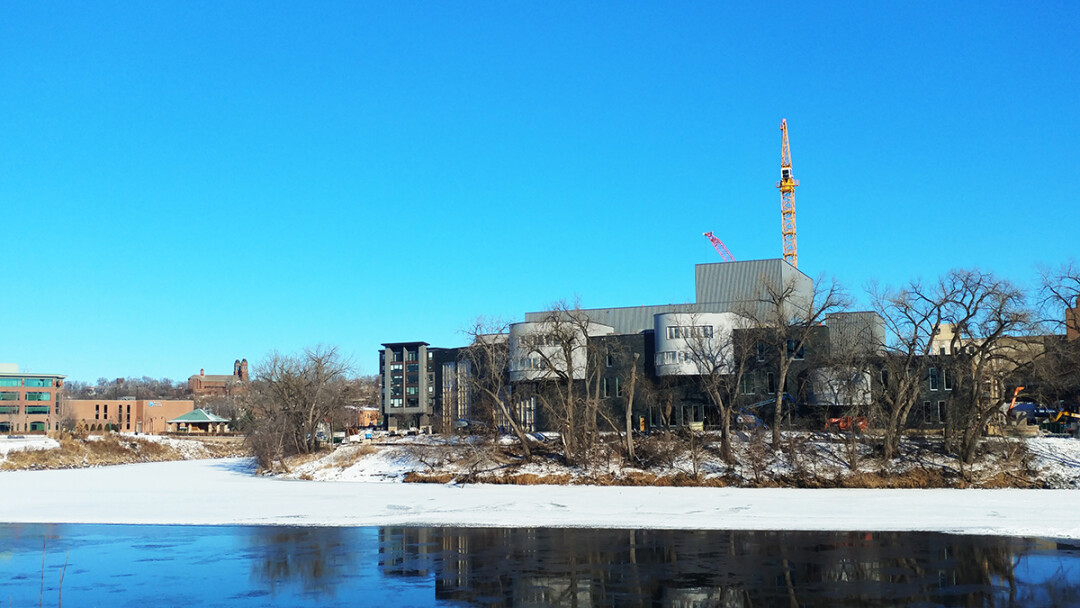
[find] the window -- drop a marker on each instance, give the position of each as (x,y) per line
(10,382)
(941,350)
(410,355)
(618,386)
(38,382)
(42,396)
(794,353)
(604,391)
(97,412)
(412,367)
(412,390)
(928,413)
(771,382)
(37,409)
(885,378)
(933,379)
(9,409)
(9,396)
(746,384)
(610,360)
(760,348)
(947,377)
(395,402)
(941,410)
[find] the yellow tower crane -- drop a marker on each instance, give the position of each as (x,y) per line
(787,200)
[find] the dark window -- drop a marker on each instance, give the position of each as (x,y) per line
(947,376)
(933,379)
(604,388)
(771,382)
(618,387)
(610,360)
(885,378)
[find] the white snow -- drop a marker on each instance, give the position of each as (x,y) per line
(227,492)
(15,443)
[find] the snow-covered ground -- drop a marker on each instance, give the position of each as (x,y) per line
(227,492)
(16,443)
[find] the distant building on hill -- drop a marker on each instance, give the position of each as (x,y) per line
(203,385)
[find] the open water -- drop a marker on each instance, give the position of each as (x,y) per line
(144,566)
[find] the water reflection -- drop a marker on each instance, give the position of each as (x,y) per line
(316,558)
(572,567)
(394,566)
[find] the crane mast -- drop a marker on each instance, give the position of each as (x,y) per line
(787,200)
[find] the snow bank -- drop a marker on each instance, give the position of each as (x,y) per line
(17,443)
(208,492)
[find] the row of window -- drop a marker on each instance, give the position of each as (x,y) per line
(30,409)
(37,425)
(689,331)
(670,357)
(946,376)
(29,382)
(30,396)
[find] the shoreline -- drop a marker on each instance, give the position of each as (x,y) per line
(226,492)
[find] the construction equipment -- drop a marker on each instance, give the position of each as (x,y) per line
(787,200)
(720,248)
(847,423)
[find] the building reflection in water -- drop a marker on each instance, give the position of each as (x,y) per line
(682,569)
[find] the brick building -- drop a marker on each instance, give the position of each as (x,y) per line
(204,385)
(148,416)
(29,402)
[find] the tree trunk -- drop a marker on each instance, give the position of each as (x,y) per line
(630,410)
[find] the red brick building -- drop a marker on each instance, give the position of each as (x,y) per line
(203,385)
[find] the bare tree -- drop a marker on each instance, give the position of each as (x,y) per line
(295,394)
(489,357)
(721,357)
(913,316)
(562,365)
(991,337)
(786,319)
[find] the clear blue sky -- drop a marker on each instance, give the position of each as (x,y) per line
(186,183)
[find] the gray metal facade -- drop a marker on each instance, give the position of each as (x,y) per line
(720,287)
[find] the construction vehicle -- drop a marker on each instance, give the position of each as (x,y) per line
(844,424)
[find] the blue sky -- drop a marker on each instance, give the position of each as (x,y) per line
(187,183)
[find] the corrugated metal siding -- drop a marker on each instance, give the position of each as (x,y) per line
(736,281)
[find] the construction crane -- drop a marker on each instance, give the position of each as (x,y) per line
(720,248)
(787,199)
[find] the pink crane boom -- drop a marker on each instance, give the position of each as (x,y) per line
(720,248)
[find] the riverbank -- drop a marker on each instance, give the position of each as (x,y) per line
(807,460)
(36,452)
(222,492)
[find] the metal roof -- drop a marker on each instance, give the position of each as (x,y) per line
(198,415)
